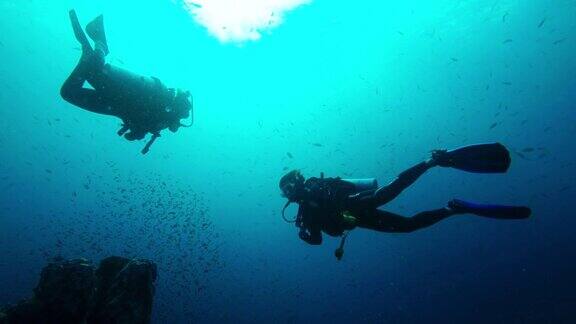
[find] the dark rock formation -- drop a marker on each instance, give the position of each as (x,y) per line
(120,290)
(65,290)
(125,290)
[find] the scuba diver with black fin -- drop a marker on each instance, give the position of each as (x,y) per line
(144,104)
(335,206)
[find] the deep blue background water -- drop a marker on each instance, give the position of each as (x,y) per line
(377,84)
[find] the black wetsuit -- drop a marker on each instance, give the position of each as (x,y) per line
(325,199)
(139,101)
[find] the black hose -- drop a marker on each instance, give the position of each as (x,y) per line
(284,216)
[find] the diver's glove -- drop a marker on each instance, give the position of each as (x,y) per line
(134,136)
(123,130)
(304,235)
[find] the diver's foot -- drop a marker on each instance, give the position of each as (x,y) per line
(95,30)
(458,206)
(491,211)
(441,158)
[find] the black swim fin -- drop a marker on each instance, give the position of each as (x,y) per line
(78,32)
(95,30)
(478,158)
(491,211)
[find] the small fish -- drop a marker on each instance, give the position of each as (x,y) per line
(48,171)
(289,155)
(454,59)
(508,83)
(507,41)
(560,41)
(317,144)
(528,149)
(542,22)
(521,155)
(504,17)
(493,125)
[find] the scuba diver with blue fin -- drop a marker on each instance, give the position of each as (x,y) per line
(144,104)
(335,206)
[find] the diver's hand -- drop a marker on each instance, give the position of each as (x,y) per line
(132,135)
(304,235)
(123,130)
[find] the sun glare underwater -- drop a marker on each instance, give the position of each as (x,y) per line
(352,89)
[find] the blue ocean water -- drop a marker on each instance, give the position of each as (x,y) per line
(351,89)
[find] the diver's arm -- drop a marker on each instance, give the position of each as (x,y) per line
(309,234)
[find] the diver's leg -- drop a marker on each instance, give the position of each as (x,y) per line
(72,89)
(384,221)
(403,181)
(89,67)
(95,30)
(370,200)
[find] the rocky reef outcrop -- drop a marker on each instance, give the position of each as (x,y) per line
(119,290)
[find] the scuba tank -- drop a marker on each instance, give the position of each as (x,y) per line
(363,184)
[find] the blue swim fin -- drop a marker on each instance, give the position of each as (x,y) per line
(478,158)
(491,211)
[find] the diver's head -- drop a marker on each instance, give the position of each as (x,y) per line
(292,185)
(180,108)
(182,104)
